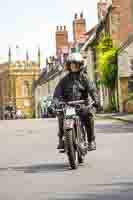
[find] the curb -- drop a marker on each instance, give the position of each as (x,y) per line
(115,118)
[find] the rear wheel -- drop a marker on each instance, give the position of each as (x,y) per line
(71,150)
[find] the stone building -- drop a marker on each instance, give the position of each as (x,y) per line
(46,84)
(17,82)
(125,74)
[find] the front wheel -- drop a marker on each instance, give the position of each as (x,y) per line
(71,150)
(80,158)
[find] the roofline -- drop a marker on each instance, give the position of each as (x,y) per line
(126,43)
(98,26)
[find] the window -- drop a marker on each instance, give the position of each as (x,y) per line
(130,80)
(26,88)
(130,85)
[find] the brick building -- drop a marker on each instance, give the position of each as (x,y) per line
(52,74)
(118,23)
(62,44)
(79,27)
(122,29)
(122,19)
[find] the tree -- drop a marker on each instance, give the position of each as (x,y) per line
(107,68)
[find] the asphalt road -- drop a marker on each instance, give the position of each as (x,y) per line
(32,169)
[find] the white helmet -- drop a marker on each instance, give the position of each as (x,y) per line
(75,57)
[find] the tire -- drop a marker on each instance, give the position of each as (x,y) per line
(71,151)
(80,158)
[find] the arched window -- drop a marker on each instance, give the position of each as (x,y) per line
(26,88)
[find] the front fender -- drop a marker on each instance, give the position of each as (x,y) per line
(68,124)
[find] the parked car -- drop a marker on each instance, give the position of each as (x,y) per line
(50,110)
(20,114)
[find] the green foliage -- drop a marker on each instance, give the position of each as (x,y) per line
(30,115)
(107,67)
(105,44)
(130,97)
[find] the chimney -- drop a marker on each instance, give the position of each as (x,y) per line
(102,9)
(57,28)
(27,56)
(75,16)
(81,15)
(79,27)
(61,39)
(39,57)
(9,55)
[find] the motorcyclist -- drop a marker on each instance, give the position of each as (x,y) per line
(10,109)
(76,86)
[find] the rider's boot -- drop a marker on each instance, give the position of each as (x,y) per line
(61,143)
(92,145)
(91,135)
(61,132)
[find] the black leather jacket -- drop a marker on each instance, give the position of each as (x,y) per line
(75,86)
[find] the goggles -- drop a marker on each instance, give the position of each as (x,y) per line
(75,62)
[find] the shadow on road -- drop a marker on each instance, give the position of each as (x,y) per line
(117,128)
(40,168)
(113,191)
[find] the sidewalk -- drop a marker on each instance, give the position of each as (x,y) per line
(118,116)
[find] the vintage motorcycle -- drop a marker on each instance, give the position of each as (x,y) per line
(75,136)
(8,115)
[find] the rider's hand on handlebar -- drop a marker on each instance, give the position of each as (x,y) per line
(96,105)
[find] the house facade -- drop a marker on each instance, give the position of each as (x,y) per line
(125,76)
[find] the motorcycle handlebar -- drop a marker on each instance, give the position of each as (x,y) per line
(74,103)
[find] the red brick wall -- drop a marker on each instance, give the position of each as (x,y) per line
(122,19)
(79,27)
(61,37)
(102,9)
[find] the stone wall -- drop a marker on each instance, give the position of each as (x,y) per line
(125,72)
(16,86)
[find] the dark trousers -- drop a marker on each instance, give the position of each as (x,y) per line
(87,120)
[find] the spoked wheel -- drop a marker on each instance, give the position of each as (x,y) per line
(80,158)
(80,146)
(71,150)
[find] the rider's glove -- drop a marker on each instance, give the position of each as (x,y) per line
(96,105)
(56,103)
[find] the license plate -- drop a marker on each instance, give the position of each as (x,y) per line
(70,111)
(68,123)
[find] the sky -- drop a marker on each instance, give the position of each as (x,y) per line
(32,23)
